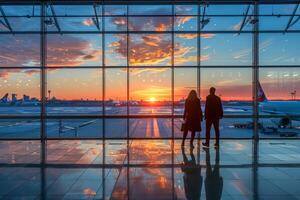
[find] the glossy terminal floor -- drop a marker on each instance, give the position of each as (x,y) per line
(149,169)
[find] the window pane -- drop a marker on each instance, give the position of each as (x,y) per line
(150,49)
(74,91)
(159,24)
(116,128)
(21,18)
(115,24)
(279,49)
(115,50)
(186,49)
(186,23)
(280,83)
(150,91)
(21,91)
(74,50)
(115,91)
(234,86)
(226,49)
(19,50)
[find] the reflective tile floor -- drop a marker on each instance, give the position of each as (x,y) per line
(149,169)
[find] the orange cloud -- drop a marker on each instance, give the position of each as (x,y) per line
(188,36)
(156,51)
(182,20)
(207,35)
(119,21)
(161,27)
(151,40)
(88,22)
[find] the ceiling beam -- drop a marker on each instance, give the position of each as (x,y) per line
(291,18)
(244,19)
(54,17)
(6,22)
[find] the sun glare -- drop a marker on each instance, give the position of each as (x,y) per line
(152,99)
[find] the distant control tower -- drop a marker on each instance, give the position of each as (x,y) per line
(293,94)
(49,95)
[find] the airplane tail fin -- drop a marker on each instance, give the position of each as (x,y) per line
(4,98)
(261,97)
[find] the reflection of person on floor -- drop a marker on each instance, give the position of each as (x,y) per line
(213,180)
(192,176)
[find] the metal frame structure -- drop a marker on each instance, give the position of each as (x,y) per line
(43,165)
(43,32)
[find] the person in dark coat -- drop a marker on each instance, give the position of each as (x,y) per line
(213,180)
(213,114)
(192,116)
(192,178)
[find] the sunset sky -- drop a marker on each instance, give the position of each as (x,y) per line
(145,50)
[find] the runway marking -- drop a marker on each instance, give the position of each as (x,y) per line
(148,129)
(156,132)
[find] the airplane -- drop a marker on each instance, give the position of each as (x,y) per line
(4,99)
(287,108)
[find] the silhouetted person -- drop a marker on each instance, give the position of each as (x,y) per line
(192,116)
(192,178)
(213,180)
(213,113)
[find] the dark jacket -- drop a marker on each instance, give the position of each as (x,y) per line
(192,115)
(213,107)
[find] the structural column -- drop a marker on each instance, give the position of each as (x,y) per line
(255,71)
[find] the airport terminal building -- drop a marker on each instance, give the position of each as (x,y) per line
(93,93)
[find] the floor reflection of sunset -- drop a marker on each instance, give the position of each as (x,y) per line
(148,181)
(151,151)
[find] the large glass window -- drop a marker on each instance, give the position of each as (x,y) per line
(119,70)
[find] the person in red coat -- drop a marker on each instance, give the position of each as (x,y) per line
(192,116)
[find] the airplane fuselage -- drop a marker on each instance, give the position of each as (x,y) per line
(281,107)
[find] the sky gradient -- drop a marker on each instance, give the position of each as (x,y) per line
(148,50)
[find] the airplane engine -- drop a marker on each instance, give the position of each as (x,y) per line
(283,122)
